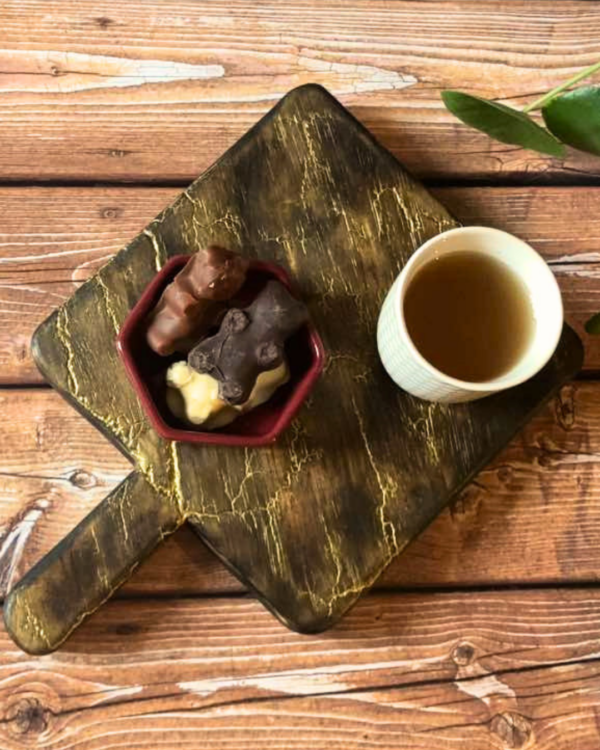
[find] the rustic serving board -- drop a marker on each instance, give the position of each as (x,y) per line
(312,521)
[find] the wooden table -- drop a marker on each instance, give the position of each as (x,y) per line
(486,633)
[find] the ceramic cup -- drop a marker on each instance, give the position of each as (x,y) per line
(412,372)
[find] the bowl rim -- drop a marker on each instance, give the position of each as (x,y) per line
(288,410)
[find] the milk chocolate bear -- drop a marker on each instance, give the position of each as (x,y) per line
(194,301)
(249,342)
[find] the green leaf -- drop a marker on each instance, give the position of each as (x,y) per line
(593,325)
(502,123)
(575,118)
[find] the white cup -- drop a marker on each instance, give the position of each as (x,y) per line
(412,372)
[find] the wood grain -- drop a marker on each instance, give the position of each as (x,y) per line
(52,239)
(494,670)
(138,91)
(93,91)
(542,494)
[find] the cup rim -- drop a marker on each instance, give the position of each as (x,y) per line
(487,386)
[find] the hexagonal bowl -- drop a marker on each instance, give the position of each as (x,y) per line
(146,369)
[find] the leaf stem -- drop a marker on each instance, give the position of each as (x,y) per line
(539,103)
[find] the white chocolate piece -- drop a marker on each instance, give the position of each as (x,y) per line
(266,385)
(194,396)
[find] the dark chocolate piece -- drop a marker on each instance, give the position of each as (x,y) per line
(249,342)
(194,301)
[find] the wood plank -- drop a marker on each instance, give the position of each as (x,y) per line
(139,91)
(52,239)
(484,670)
(542,495)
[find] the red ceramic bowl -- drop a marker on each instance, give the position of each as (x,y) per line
(146,369)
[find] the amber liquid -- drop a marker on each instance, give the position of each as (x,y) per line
(469,315)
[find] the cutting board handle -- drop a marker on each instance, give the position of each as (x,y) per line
(88,565)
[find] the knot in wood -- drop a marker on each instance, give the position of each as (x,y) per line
(565,407)
(103,22)
(27,717)
(110,212)
(467,502)
(512,728)
(463,654)
(128,628)
(83,479)
(22,351)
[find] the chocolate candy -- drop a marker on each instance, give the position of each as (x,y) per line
(194,301)
(249,342)
(266,385)
(194,397)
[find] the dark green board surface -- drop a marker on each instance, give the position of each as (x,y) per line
(312,521)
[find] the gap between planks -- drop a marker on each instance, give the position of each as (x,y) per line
(556,180)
